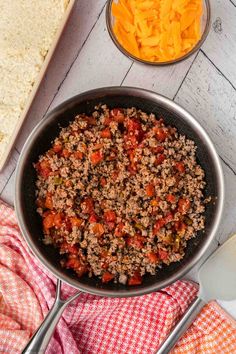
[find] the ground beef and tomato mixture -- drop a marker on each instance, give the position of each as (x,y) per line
(120,193)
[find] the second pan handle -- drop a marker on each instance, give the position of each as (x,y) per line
(39,342)
(181,326)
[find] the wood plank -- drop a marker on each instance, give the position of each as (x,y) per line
(220,45)
(8,170)
(164,80)
(98,64)
(78,28)
(8,194)
(212,100)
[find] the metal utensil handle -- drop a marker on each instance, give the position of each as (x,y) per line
(39,342)
(181,326)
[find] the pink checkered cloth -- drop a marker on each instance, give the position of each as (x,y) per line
(94,324)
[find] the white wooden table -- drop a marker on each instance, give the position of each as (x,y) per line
(205,84)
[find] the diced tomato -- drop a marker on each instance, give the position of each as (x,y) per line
(44,164)
(135,241)
(90,120)
(136,279)
(105,133)
(104,254)
(133,125)
(87,205)
(96,157)
(65,153)
(106,259)
(68,225)
(153,257)
(183,205)
(48,201)
(111,226)
(171,198)
(48,221)
(117,115)
(133,164)
(75,263)
(103,181)
(110,216)
(40,202)
(130,141)
(180,167)
(115,175)
(163,254)
(160,134)
(115,111)
(132,169)
(78,155)
(106,277)
(93,218)
(160,158)
(119,230)
(131,154)
(98,229)
(76,221)
(57,147)
(154,202)
(58,220)
(168,218)
(44,168)
(180,226)
(107,121)
(177,225)
(150,190)
(67,248)
(68,183)
(135,129)
(158,225)
(104,264)
(158,149)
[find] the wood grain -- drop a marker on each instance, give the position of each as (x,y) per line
(220,45)
(164,80)
(98,64)
(212,100)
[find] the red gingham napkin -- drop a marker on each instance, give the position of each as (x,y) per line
(94,324)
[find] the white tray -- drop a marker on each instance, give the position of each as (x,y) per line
(37,83)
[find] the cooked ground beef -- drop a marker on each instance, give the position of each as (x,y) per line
(120,193)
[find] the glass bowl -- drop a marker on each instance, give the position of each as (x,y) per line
(206,21)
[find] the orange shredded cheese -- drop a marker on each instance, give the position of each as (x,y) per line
(157,30)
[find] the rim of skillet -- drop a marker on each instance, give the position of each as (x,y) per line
(158,99)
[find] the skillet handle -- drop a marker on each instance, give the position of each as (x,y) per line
(39,342)
(181,326)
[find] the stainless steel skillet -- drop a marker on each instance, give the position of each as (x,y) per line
(39,141)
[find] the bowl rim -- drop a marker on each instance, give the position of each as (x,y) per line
(158,99)
(164,63)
